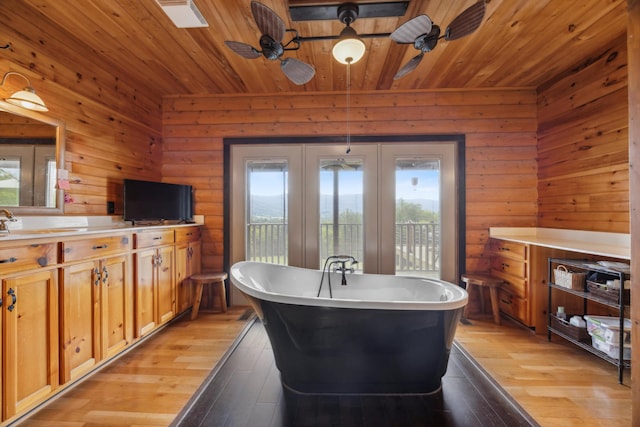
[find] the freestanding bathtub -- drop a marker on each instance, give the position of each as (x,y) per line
(377,335)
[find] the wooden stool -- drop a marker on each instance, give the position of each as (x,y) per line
(214,279)
(493,283)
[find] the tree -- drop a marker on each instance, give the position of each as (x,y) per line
(413,212)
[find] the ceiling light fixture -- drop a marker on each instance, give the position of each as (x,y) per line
(350,48)
(25,98)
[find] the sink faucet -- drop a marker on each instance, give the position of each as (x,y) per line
(7,213)
(3,222)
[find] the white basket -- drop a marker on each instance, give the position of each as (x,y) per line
(569,279)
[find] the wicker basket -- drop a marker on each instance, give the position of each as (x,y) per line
(569,279)
(575,332)
(609,294)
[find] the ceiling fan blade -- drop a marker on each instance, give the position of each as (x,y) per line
(409,66)
(467,22)
(297,71)
(268,21)
(243,49)
(412,29)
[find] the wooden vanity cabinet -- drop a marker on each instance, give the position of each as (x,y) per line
(68,305)
(154,277)
(96,302)
(188,262)
(29,281)
(510,262)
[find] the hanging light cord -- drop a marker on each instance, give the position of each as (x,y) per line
(348,106)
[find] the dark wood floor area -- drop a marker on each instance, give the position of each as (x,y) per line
(246,391)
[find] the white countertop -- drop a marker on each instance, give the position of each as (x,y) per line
(38,227)
(615,245)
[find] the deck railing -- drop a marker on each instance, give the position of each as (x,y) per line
(417,245)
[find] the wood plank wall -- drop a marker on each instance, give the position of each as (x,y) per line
(583,146)
(500,128)
(113,130)
(633,49)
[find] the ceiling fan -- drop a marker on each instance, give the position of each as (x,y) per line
(420,31)
(424,34)
(273,31)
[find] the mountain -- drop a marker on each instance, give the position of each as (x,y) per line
(272,206)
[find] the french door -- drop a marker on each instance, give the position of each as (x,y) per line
(393,206)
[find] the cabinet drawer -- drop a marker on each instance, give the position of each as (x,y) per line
(513,284)
(509,249)
(151,238)
(514,306)
(187,234)
(94,247)
(28,257)
(509,265)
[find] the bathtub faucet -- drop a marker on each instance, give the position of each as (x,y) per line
(337,264)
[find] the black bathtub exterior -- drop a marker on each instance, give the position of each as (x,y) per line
(360,351)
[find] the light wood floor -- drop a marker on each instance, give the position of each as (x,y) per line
(557,384)
(149,385)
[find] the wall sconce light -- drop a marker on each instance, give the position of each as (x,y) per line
(25,98)
(349,48)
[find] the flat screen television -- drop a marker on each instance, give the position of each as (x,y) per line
(157,201)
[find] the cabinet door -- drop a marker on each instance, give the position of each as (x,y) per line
(117,305)
(184,295)
(80,302)
(30,340)
(145,293)
(188,261)
(166,284)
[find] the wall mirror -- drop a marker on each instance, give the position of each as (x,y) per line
(31,152)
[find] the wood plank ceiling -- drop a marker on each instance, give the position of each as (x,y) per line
(521,43)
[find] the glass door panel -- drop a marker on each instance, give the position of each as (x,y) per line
(341,215)
(267,213)
(341,209)
(417,201)
(422,217)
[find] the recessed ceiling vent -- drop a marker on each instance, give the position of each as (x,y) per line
(183,13)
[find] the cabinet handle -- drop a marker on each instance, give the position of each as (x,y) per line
(4,261)
(157,238)
(12,293)
(505,265)
(505,249)
(505,301)
(96,273)
(105,246)
(105,274)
